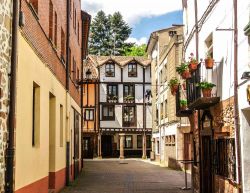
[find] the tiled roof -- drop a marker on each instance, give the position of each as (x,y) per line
(120,60)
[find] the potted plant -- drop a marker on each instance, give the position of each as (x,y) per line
(206,88)
(174,85)
(183,70)
(115,99)
(209,62)
(192,63)
(129,99)
(183,104)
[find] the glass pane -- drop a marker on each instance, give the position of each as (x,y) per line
(111,111)
(87,114)
(105,111)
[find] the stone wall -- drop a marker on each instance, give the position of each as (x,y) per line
(5,56)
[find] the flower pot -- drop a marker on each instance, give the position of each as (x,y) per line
(209,63)
(183,107)
(174,89)
(207,92)
(192,66)
(186,74)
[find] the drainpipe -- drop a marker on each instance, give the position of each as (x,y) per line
(236,105)
(10,151)
(67,92)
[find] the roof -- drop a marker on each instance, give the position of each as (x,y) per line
(88,65)
(120,60)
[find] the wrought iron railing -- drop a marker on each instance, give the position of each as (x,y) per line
(194,92)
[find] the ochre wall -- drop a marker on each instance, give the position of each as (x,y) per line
(34,161)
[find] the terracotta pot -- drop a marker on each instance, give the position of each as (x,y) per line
(193,66)
(207,92)
(209,63)
(183,107)
(174,89)
(186,74)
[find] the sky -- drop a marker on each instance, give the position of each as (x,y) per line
(144,16)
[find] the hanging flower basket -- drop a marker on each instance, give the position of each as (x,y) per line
(174,85)
(186,74)
(207,92)
(193,66)
(209,63)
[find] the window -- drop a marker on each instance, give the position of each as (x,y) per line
(55,30)
(132,70)
(170,140)
(50,20)
(129,119)
(110,70)
(139,141)
(158,147)
(61,126)
(162,111)
(108,112)
(128,141)
(225,158)
(62,44)
(148,141)
(34,4)
(89,115)
(129,93)
(36,116)
(112,93)
(166,108)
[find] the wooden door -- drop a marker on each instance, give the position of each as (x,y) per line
(206,164)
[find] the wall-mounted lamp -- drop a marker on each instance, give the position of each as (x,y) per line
(245,75)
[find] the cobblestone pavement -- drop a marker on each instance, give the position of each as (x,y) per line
(128,176)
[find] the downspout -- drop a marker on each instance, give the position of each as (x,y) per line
(236,105)
(67,93)
(10,150)
(196,29)
(82,94)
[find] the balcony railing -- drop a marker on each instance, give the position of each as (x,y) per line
(195,98)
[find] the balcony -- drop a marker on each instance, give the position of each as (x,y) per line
(180,111)
(197,97)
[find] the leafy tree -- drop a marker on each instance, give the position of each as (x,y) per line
(108,34)
(135,50)
(99,35)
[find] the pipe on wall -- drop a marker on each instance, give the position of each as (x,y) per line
(10,151)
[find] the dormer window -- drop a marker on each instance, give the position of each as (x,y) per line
(132,70)
(110,70)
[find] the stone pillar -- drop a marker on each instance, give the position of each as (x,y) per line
(99,146)
(144,146)
(122,139)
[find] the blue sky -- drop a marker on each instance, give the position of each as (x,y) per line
(144,16)
(146,26)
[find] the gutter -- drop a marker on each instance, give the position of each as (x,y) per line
(10,150)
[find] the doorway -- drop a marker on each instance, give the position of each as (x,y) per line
(52,140)
(87,148)
(206,153)
(107,145)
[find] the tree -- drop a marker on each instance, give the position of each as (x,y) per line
(108,34)
(99,35)
(135,50)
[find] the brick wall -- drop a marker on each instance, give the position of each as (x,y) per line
(5,56)
(36,31)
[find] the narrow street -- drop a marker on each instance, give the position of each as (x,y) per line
(128,176)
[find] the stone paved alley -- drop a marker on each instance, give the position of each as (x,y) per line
(128,176)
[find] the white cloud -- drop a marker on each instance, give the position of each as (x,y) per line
(140,41)
(132,10)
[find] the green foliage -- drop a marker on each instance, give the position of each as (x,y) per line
(182,68)
(183,102)
(108,34)
(206,85)
(173,81)
(135,50)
